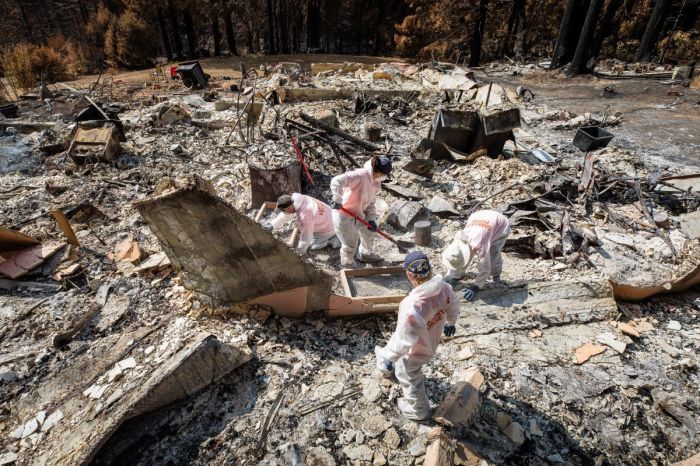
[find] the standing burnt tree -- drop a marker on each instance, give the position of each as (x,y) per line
(477,37)
(569,32)
(578,63)
(651,33)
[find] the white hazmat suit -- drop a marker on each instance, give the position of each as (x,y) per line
(484,235)
(314,221)
(356,191)
(423,315)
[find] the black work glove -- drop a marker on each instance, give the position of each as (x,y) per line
(450,330)
(372,225)
(336,205)
(470,292)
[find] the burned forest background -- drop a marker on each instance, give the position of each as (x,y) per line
(58,39)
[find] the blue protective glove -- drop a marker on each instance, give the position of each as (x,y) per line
(470,292)
(336,205)
(373,225)
(450,330)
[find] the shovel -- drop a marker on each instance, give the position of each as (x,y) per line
(402,245)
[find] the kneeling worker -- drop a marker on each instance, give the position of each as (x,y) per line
(430,309)
(356,192)
(485,235)
(314,221)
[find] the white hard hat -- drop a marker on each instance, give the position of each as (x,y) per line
(457,255)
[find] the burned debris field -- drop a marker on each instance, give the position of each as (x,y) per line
(165,300)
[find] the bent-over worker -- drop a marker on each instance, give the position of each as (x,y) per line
(430,309)
(314,221)
(484,236)
(356,191)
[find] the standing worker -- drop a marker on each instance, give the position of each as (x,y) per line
(356,192)
(430,309)
(314,221)
(485,235)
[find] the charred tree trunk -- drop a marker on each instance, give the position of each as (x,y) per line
(189,32)
(313,18)
(230,32)
(25,22)
(270,46)
(83,11)
(520,46)
(164,34)
(651,33)
(607,26)
(174,25)
(510,30)
(478,34)
(569,32)
(215,31)
(578,64)
(283,21)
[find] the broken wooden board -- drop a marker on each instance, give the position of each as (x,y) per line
(188,371)
(226,255)
(534,305)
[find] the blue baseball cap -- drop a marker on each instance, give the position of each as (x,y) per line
(384,165)
(417,263)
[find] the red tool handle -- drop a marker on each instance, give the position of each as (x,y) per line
(366,223)
(301,161)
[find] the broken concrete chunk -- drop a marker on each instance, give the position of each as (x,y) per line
(535,428)
(328,117)
(319,456)
(674,325)
(610,340)
(515,433)
(628,329)
(438,205)
(128,363)
(52,420)
(668,349)
(503,420)
(199,364)
(358,452)
(462,402)
(404,214)
(418,446)
(585,352)
(374,426)
(8,458)
(169,113)
(30,427)
(392,438)
(226,255)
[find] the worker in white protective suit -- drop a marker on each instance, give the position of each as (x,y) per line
(356,191)
(313,218)
(484,236)
(429,310)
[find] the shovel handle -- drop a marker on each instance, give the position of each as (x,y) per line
(366,223)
